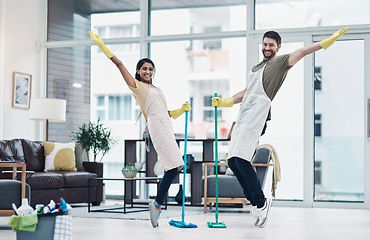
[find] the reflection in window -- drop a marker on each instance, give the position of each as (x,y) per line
(208,110)
(317,125)
(318,172)
(318,78)
(212,44)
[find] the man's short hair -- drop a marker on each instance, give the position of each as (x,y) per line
(274,35)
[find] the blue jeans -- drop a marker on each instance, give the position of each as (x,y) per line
(248,179)
(164,185)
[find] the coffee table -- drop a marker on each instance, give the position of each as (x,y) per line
(125,181)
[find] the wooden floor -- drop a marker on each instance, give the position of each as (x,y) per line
(284,223)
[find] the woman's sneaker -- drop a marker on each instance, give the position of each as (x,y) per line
(264,212)
(154,214)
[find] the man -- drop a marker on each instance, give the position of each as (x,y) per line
(263,82)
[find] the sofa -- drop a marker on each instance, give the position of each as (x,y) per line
(72,185)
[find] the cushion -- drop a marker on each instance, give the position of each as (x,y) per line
(34,155)
(59,156)
(46,180)
(78,157)
(11,151)
(78,179)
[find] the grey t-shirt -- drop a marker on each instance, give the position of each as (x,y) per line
(274,75)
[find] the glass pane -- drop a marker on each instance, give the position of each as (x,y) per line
(100,101)
(198,20)
(126,108)
(200,73)
(66,22)
(116,25)
(100,114)
(68,78)
(285,130)
(72,20)
(307,13)
(106,80)
(340,102)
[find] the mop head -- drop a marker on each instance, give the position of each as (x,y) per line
(181,224)
(216,225)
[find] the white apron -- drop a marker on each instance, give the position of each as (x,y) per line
(161,130)
(252,116)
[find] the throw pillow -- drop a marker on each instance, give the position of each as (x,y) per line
(78,156)
(59,156)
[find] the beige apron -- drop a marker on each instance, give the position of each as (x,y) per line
(161,130)
(252,116)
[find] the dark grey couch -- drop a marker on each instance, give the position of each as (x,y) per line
(46,186)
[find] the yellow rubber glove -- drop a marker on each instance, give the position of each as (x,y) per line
(176,113)
(329,41)
(218,102)
(101,44)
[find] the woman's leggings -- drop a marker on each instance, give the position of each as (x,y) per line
(164,185)
(248,179)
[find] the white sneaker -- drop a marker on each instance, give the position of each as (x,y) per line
(154,214)
(264,212)
(255,214)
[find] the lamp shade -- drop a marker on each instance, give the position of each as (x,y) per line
(51,109)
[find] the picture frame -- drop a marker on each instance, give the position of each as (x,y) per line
(21,90)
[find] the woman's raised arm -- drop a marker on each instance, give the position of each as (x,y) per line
(125,74)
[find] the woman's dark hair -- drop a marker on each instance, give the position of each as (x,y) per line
(140,64)
(274,35)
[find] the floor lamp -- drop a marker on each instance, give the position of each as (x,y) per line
(49,109)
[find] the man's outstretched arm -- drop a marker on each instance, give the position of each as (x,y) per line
(301,52)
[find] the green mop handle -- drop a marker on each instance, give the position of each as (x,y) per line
(216,161)
(185,159)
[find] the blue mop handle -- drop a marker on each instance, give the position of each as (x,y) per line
(185,160)
(216,161)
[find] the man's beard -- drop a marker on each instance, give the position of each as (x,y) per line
(268,57)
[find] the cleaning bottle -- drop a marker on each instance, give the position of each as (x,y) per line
(25,208)
(63,204)
(50,207)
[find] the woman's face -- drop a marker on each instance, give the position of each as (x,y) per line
(146,72)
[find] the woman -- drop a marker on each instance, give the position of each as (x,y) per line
(154,109)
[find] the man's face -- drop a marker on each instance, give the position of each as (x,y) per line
(269,48)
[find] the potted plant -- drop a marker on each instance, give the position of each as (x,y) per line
(95,137)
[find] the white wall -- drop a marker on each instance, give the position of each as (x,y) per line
(19,32)
(2,26)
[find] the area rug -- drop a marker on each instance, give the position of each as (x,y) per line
(80,211)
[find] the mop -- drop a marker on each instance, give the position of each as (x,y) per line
(182,224)
(216,224)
